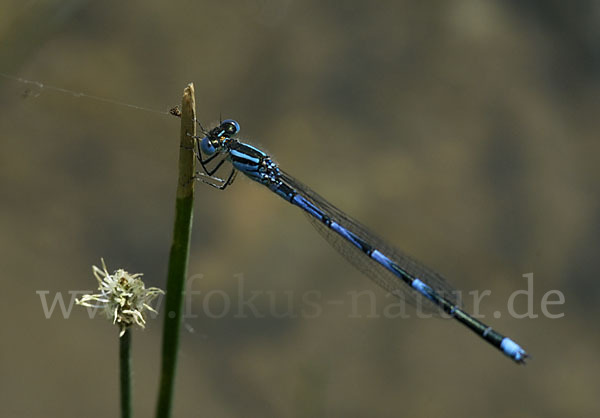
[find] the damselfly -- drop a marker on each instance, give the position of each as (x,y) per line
(390,268)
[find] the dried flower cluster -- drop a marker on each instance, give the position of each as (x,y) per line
(123,297)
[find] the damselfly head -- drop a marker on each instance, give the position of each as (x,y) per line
(218,136)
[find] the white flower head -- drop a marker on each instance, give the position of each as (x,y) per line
(123,297)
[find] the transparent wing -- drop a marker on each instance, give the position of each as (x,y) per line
(375,271)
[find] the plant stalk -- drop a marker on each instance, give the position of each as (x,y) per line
(178,258)
(125,377)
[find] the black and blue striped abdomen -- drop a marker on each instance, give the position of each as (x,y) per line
(391,269)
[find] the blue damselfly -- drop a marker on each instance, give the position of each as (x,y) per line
(390,268)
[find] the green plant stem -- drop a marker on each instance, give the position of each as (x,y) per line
(178,258)
(125,366)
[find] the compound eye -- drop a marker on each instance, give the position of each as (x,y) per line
(207,147)
(230,127)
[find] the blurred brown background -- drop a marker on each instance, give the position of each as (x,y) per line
(464,132)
